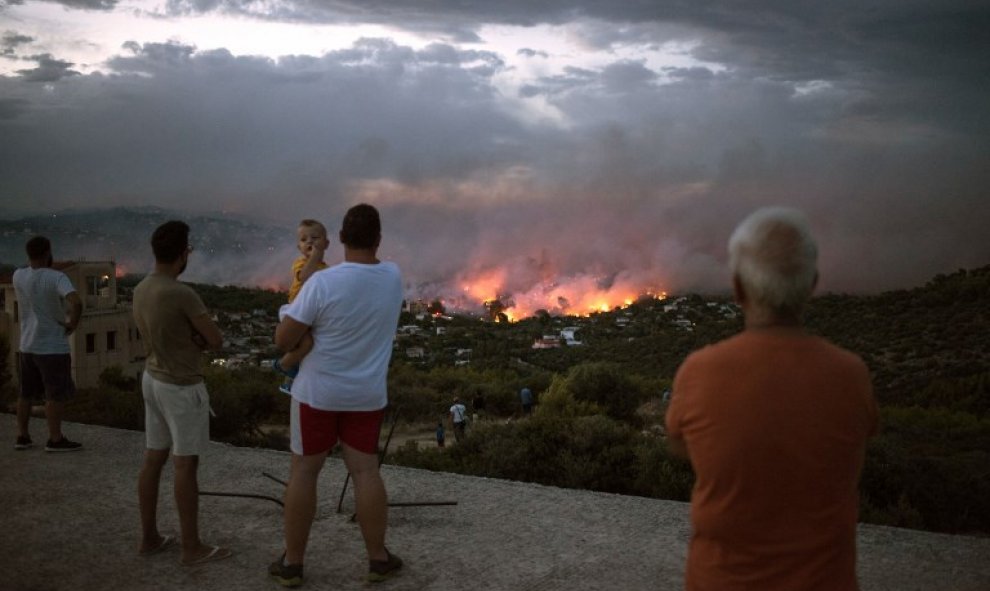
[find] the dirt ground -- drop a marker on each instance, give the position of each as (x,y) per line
(70,523)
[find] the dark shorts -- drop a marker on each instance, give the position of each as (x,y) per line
(46,377)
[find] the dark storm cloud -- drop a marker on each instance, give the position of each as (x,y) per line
(10,41)
(872,119)
(49,69)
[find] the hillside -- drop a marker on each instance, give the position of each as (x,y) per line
(236,249)
(927,349)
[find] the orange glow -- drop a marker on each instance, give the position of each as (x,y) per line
(491,292)
(580,295)
(485,287)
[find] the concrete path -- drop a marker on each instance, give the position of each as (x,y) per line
(69,522)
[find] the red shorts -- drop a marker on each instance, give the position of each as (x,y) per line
(314,431)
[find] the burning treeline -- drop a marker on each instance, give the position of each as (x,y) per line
(578,295)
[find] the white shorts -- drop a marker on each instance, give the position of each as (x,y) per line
(175,416)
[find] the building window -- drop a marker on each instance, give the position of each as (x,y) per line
(91,342)
(98,285)
(112,340)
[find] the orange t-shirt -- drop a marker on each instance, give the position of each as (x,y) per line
(775,423)
(296,285)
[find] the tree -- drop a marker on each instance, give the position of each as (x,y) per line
(595,388)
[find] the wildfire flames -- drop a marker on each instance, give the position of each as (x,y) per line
(578,295)
(496,293)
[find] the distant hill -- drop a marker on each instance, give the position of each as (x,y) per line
(231,248)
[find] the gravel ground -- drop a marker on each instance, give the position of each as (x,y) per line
(70,522)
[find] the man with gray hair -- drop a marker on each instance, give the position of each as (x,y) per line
(775,423)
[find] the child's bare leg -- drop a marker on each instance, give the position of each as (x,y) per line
(294,357)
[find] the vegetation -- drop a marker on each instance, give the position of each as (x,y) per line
(224,298)
(244,402)
(598,422)
(7,394)
(927,349)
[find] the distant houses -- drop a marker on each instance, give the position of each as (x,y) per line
(567,336)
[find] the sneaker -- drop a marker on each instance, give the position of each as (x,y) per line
(62,444)
(287,575)
(382,570)
(23,442)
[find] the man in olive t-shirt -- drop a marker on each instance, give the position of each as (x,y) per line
(175,328)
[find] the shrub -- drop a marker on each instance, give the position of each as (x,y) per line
(590,452)
(113,377)
(243,401)
(594,388)
(112,407)
(7,394)
(660,474)
(928,469)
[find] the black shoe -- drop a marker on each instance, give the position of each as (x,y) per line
(287,575)
(23,442)
(62,444)
(382,570)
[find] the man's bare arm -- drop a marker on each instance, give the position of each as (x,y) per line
(209,331)
(288,333)
(74,312)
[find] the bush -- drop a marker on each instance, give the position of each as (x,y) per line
(661,475)
(594,388)
(113,377)
(928,469)
(243,401)
(112,407)
(8,396)
(590,452)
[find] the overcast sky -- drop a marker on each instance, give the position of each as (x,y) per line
(541,142)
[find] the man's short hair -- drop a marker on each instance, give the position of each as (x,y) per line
(311,223)
(169,241)
(362,227)
(775,257)
(38,248)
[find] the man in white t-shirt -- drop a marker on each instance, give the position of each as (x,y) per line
(351,310)
(49,309)
(458,418)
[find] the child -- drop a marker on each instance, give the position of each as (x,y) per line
(440,434)
(312,244)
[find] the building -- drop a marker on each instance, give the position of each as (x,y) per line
(548,341)
(106,335)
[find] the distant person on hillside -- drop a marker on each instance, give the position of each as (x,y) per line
(175,329)
(526,398)
(775,423)
(49,312)
(458,419)
(441,438)
(312,243)
(351,310)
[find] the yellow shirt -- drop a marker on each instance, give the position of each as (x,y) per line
(297,284)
